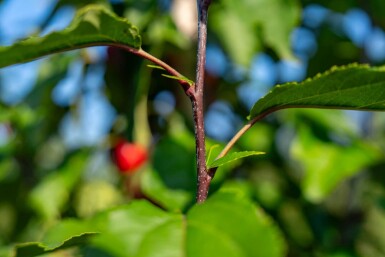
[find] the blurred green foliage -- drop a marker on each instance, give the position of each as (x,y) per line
(319,190)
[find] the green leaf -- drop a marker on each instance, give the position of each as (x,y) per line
(162,29)
(230,225)
(174,161)
(171,180)
(278,19)
(190,82)
(324,119)
(93,196)
(209,154)
(353,87)
(52,194)
(227,225)
(244,26)
(371,239)
(7,251)
(93,25)
(168,198)
(66,234)
(214,148)
(326,164)
(260,135)
(78,3)
(295,223)
(155,67)
(232,157)
(238,37)
(140,229)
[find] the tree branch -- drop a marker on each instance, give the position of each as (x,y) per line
(204,178)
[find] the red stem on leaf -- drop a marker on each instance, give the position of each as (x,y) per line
(188,88)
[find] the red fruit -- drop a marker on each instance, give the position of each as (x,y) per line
(129,157)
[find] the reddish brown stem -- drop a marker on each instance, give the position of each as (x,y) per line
(237,136)
(204,178)
(188,88)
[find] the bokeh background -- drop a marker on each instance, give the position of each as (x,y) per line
(322,179)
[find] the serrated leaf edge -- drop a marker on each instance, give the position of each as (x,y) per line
(332,70)
(46,248)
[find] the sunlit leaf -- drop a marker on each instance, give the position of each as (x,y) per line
(210,152)
(213,149)
(353,87)
(52,194)
(227,225)
(66,234)
(238,38)
(140,229)
(244,26)
(278,18)
(92,25)
(155,67)
(7,251)
(94,196)
(326,164)
(232,157)
(190,82)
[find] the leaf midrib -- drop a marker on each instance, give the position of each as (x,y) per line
(267,105)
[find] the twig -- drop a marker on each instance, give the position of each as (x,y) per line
(187,87)
(204,178)
(236,137)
